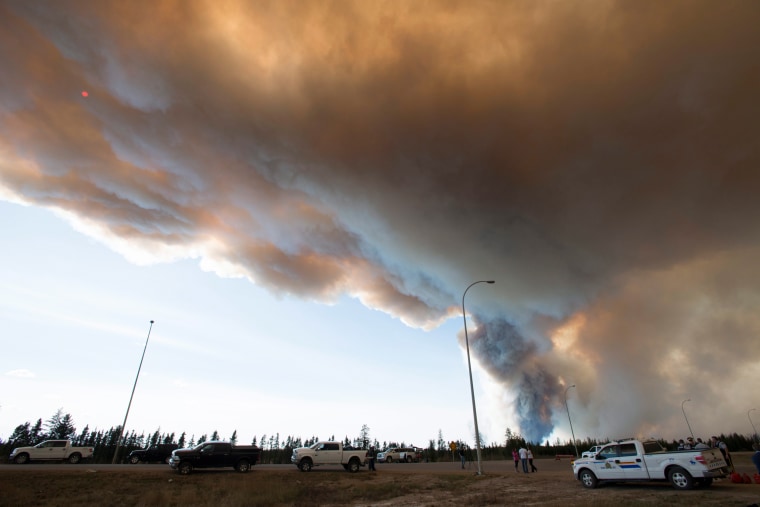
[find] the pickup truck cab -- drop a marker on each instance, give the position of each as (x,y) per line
(633,460)
(329,453)
(51,450)
(215,454)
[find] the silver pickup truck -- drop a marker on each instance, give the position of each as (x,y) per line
(329,453)
(51,450)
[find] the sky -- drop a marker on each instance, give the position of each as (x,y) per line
(299,194)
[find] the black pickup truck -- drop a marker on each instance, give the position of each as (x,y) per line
(158,452)
(215,455)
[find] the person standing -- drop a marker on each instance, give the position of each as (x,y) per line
(515,457)
(371,458)
(530,461)
(524,459)
(461,454)
(724,450)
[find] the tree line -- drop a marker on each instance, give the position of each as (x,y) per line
(277,450)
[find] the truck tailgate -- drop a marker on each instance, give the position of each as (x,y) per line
(713,459)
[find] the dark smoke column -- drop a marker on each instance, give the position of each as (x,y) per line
(469,368)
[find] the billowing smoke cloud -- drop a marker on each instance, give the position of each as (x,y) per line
(598,159)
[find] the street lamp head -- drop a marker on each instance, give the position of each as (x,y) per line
(572,385)
(152,321)
(490,281)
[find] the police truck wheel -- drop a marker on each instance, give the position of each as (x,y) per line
(353,465)
(389,460)
(588,479)
(75,458)
(305,465)
(680,478)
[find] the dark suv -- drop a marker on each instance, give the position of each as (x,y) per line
(160,452)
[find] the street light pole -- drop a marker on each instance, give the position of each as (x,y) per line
(754,431)
(469,368)
(121,430)
(570,420)
(687,419)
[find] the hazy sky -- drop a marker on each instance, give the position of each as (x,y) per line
(299,193)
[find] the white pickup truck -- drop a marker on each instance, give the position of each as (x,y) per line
(399,455)
(329,453)
(60,450)
(633,460)
(591,452)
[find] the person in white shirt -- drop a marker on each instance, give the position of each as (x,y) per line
(530,462)
(524,459)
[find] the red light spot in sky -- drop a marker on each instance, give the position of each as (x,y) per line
(84,93)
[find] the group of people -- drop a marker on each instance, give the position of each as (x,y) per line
(524,455)
(715,443)
(691,444)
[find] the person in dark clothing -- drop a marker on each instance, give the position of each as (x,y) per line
(371,458)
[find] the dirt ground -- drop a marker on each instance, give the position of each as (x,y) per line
(554,484)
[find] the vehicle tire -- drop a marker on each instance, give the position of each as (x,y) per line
(388,459)
(134,460)
(588,479)
(185,468)
(305,465)
(353,465)
(408,459)
(75,458)
(680,478)
(243,466)
(167,459)
(21,459)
